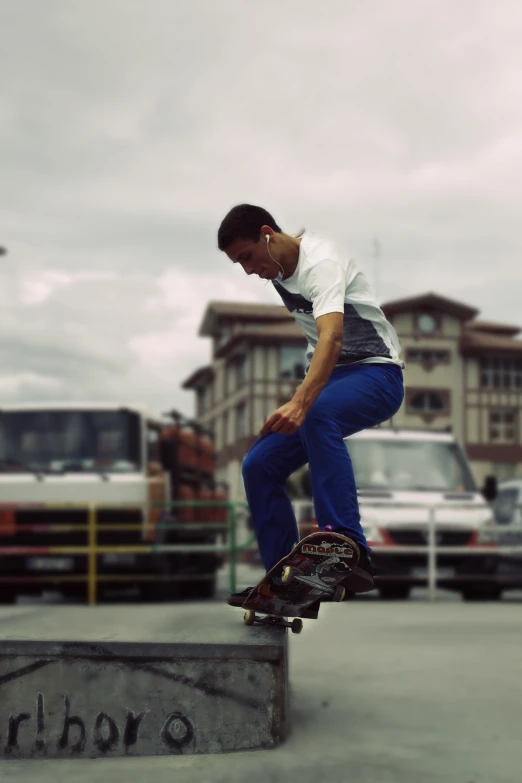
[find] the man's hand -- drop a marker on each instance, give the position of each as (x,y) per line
(286,420)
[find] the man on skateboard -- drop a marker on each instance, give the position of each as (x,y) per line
(353,381)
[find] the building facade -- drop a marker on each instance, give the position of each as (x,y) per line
(461,374)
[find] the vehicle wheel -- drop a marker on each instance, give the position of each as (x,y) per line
(8,595)
(202,589)
(77,593)
(482,593)
(153,591)
(394,592)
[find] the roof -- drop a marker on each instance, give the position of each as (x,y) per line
(476,343)
(273,332)
(430,301)
(240,311)
(202,374)
(493,327)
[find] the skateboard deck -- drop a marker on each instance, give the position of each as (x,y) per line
(313,570)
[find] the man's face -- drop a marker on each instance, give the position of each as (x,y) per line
(253,257)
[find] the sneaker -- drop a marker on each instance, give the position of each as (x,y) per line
(238,599)
(360,579)
(365,562)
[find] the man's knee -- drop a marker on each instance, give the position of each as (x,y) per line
(267,460)
(252,466)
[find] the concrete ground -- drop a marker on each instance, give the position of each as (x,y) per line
(381,691)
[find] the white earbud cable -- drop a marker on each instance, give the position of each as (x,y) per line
(275,262)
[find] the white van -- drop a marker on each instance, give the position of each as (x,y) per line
(401,475)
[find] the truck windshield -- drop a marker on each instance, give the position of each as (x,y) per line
(57,441)
(409,465)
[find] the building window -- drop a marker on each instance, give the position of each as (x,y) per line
(427,356)
(230,379)
(427,402)
(223,336)
(291,362)
(503,425)
(241,371)
(204,399)
(501,373)
(227,434)
(241,421)
(236,373)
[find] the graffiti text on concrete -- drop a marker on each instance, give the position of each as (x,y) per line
(176,730)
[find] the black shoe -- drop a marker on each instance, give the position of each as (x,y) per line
(238,599)
(365,562)
(360,579)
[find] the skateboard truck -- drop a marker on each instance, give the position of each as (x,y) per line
(289,574)
(250,618)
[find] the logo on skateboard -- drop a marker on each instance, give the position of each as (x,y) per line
(327,549)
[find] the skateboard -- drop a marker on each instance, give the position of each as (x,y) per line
(314,569)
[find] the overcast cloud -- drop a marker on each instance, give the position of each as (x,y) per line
(129,128)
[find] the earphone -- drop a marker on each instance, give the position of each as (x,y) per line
(280,275)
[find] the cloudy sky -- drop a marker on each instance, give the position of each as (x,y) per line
(129,128)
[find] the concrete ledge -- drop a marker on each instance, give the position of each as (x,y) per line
(194,680)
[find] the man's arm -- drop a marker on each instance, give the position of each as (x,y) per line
(324,359)
(289,417)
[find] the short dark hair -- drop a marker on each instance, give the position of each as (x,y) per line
(244,222)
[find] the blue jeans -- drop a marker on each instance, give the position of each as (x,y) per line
(356,397)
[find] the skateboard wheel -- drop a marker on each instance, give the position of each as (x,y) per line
(296,625)
(250,617)
(288,575)
(339,593)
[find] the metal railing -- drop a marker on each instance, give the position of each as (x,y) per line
(492,540)
(92,548)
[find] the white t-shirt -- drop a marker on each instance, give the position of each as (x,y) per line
(327,281)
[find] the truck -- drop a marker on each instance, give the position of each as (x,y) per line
(59,459)
(403,477)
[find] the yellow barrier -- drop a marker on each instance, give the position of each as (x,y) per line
(92,549)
